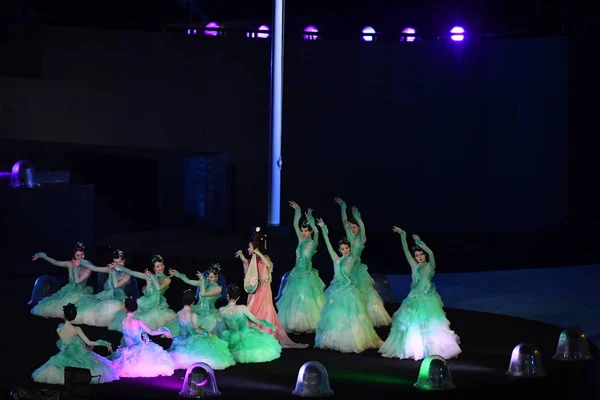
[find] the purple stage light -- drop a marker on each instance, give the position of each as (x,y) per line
(310,29)
(458,34)
(262,28)
(210,32)
(408,31)
(366,37)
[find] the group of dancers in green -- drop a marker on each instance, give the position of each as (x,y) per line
(342,317)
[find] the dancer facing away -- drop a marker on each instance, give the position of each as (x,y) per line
(210,291)
(138,357)
(420,327)
(344,324)
(153,308)
(302,298)
(74,352)
(195,344)
(248,344)
(76,289)
(356,234)
(260,302)
(99,309)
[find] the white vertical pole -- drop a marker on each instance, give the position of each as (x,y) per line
(276,112)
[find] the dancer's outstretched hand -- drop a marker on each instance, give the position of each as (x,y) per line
(293,204)
(339,201)
(239,254)
(395,229)
(320,222)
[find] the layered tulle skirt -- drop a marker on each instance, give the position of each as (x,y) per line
(252,345)
(344,324)
(373,303)
(153,310)
(420,329)
(144,360)
(53,371)
(301,302)
(191,349)
(52,306)
(100,309)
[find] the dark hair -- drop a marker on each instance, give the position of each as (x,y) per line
(234,292)
(213,268)
(259,239)
(78,247)
(131,304)
(157,258)
(344,241)
(70,311)
(306,225)
(417,248)
(352,221)
(118,254)
(188,297)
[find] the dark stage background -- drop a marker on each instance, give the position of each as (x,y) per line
(446,139)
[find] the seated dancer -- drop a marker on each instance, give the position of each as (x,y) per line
(356,234)
(138,357)
(248,344)
(194,344)
(300,304)
(99,309)
(153,307)
(257,280)
(344,325)
(76,289)
(210,292)
(420,328)
(75,351)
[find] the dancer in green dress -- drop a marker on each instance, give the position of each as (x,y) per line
(420,328)
(300,304)
(75,351)
(248,344)
(344,325)
(356,234)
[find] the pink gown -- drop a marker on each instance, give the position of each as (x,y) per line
(261,306)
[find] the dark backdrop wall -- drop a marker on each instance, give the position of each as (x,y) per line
(433,136)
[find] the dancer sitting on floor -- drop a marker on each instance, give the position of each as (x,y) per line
(356,234)
(248,344)
(75,351)
(194,344)
(153,308)
(302,298)
(257,273)
(420,327)
(210,292)
(138,356)
(99,309)
(344,324)
(76,289)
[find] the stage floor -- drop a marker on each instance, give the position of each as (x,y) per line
(487,343)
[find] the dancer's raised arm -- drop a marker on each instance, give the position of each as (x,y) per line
(177,274)
(257,321)
(313,225)
(43,256)
(297,215)
(240,254)
(325,230)
(266,259)
(361,225)
(89,265)
(409,256)
(345,223)
(423,246)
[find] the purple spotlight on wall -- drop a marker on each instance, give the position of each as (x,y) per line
(457,34)
(310,29)
(366,37)
(210,32)
(408,31)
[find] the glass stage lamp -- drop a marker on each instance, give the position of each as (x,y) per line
(573,345)
(199,382)
(434,374)
(526,362)
(312,381)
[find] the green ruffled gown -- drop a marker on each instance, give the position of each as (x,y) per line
(248,344)
(99,309)
(75,353)
(52,306)
(300,304)
(192,347)
(420,327)
(152,308)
